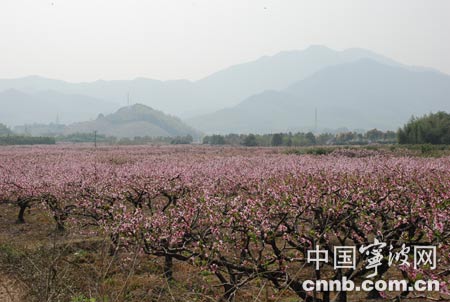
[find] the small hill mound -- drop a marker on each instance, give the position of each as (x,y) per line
(135,120)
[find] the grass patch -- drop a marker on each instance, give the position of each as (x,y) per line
(9,254)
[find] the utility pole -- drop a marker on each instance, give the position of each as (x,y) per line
(95,138)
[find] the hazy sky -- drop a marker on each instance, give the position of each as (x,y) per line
(84,40)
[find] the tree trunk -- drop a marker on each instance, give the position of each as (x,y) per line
(230,293)
(297,287)
(342,296)
(20,217)
(326,296)
(114,246)
(60,226)
(374,294)
(168,267)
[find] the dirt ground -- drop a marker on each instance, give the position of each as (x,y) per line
(10,289)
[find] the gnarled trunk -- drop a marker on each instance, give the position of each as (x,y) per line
(168,267)
(20,217)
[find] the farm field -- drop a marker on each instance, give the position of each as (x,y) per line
(197,223)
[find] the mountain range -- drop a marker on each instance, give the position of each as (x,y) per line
(364,94)
(353,88)
(44,106)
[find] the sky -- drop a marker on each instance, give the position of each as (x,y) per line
(88,40)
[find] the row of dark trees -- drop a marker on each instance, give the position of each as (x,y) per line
(11,139)
(111,140)
(7,137)
(4,131)
(145,140)
(301,139)
(26,140)
(429,129)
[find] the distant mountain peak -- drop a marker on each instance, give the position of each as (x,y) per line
(35,77)
(318,47)
(364,93)
(136,107)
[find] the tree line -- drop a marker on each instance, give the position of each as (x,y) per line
(429,129)
(302,139)
(25,140)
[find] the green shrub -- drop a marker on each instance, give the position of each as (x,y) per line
(82,298)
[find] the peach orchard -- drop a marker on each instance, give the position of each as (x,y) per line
(242,214)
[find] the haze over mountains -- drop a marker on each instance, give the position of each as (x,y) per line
(354,88)
(44,106)
(222,89)
(364,94)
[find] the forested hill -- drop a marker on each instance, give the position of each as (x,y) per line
(135,120)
